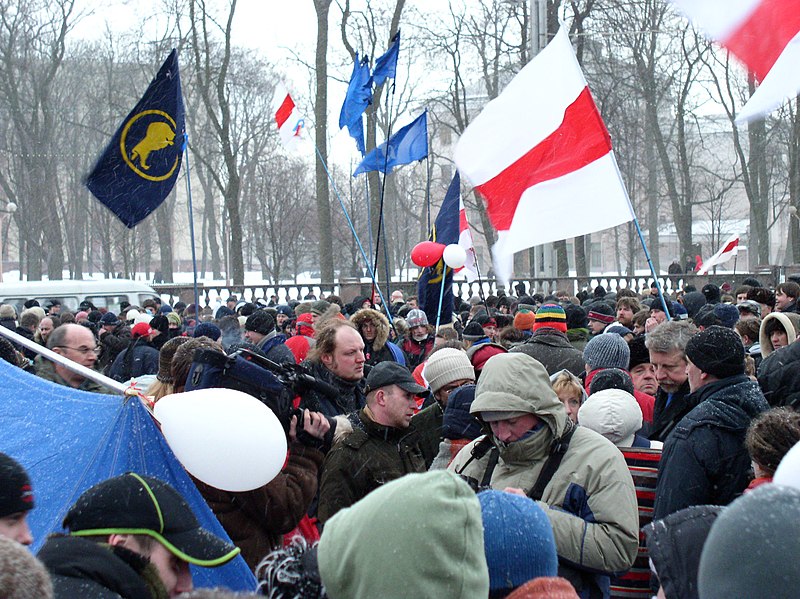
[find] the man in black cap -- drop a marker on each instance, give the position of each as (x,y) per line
(134,536)
(114,336)
(381,446)
(704,460)
(16,500)
(259,329)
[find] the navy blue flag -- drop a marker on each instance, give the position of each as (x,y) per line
(359,96)
(408,145)
(386,65)
(445,231)
(139,167)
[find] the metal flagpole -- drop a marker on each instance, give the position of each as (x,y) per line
(191,227)
(441,294)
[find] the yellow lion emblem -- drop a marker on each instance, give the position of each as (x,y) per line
(159,136)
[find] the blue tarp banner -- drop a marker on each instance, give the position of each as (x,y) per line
(69,440)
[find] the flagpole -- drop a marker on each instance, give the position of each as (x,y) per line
(441,294)
(355,235)
(641,237)
(383,195)
(191,227)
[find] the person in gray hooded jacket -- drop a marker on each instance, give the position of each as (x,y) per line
(579,478)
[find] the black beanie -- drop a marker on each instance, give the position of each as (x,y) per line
(260,322)
(639,352)
(611,378)
(712,293)
(16,494)
(717,351)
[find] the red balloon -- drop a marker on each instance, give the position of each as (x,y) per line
(427,253)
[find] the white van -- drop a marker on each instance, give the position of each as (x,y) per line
(107,293)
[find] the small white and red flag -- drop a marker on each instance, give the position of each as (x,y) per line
(291,123)
(728,250)
(465,241)
(764,35)
(540,156)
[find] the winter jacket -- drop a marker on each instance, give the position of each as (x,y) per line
(416,351)
(144,361)
(791,324)
(553,350)
(349,395)
(666,417)
(590,500)
(417,537)
(274,347)
(379,349)
(705,461)
(779,377)
(257,520)
(111,344)
(83,569)
(300,345)
(428,425)
(45,369)
(675,544)
(364,460)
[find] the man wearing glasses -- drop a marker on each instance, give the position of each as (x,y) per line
(77,343)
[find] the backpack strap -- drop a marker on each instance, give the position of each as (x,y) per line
(558,449)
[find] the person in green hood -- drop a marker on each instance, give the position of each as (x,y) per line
(575,475)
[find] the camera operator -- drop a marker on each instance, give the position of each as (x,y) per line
(257,520)
(337,359)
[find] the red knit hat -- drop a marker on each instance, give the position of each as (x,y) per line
(545,587)
(551,316)
(141,329)
(524,319)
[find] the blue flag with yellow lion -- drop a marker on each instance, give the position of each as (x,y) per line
(140,165)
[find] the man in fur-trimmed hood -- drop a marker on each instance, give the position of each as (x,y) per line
(374,329)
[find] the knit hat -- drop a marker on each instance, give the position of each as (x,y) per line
(165,309)
(387,523)
(447,365)
(109,319)
(551,316)
(717,351)
(473,332)
(260,322)
(613,413)
(174,318)
(576,317)
(618,329)
(136,504)
(318,307)
(524,319)
(457,422)
(141,330)
(286,310)
(518,540)
(207,329)
(7,311)
(165,355)
(22,576)
(222,312)
(752,549)
(639,352)
(131,315)
(693,301)
(712,293)
(728,314)
(606,351)
(417,317)
(16,494)
(545,587)
(611,378)
(601,312)
(160,323)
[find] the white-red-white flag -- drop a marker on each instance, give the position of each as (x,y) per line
(541,157)
(291,123)
(764,35)
(728,250)
(465,241)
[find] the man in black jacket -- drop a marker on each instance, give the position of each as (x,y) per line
(704,460)
(130,536)
(667,346)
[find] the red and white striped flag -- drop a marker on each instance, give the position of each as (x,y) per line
(465,241)
(540,155)
(291,123)
(728,250)
(764,35)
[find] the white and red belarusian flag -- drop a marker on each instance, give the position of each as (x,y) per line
(465,241)
(541,157)
(728,250)
(291,123)
(764,35)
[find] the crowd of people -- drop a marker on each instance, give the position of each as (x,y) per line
(609,444)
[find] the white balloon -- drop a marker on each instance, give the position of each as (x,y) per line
(225,438)
(788,471)
(454,256)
